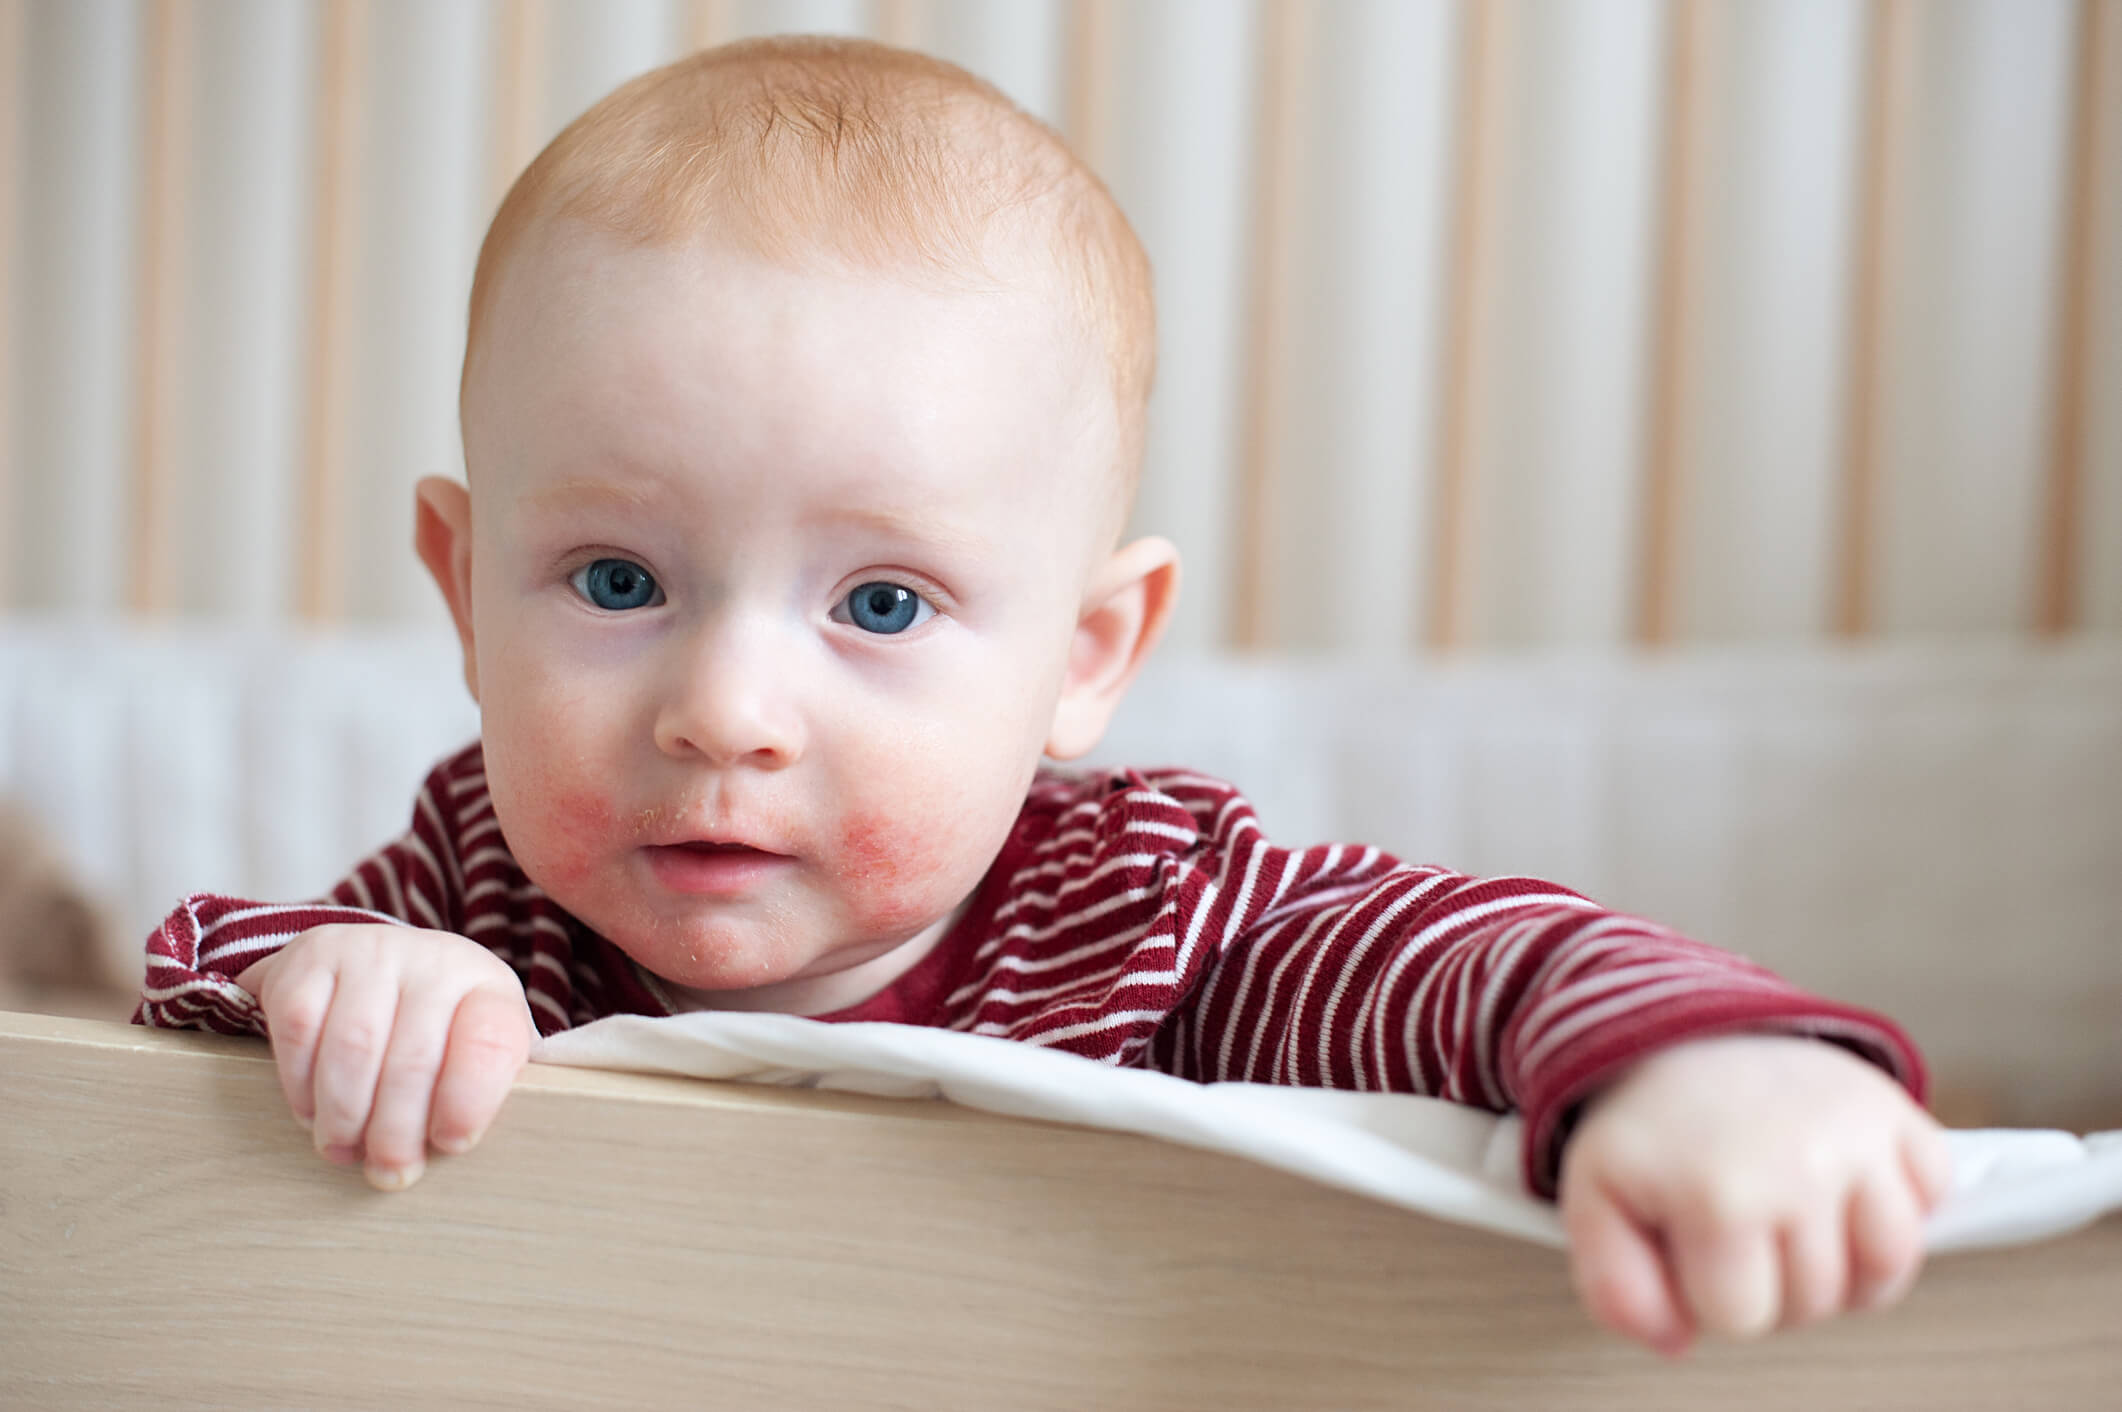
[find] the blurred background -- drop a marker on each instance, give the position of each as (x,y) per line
(1674,446)
(1484,325)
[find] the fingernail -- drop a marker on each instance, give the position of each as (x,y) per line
(339,1154)
(306,1121)
(394,1178)
(1881,1296)
(458,1146)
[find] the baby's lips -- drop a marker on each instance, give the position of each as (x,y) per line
(722,838)
(702,848)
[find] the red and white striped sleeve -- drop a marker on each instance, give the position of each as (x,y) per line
(194,957)
(1343,968)
(208,940)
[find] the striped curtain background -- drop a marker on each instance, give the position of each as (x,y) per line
(1488,324)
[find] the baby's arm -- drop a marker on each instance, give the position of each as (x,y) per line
(1345,969)
(389,1038)
(208,939)
(390,1028)
(1748,1182)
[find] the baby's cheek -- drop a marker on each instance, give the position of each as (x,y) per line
(902,870)
(577,832)
(559,829)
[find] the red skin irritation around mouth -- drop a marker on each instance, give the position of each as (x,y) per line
(889,875)
(887,882)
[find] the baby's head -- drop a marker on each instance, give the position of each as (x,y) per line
(802,408)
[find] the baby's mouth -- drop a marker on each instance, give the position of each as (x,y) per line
(708,868)
(710,851)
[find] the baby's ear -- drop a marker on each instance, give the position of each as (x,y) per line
(442,533)
(1125,608)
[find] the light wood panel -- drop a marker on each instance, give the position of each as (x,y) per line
(343,59)
(519,68)
(900,22)
(163,254)
(167,1240)
(1889,82)
(1469,330)
(1263,411)
(1087,98)
(2100,528)
(11,103)
(1690,41)
(710,22)
(2057,599)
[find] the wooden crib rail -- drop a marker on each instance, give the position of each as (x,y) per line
(167,1239)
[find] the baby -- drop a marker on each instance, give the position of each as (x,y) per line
(802,407)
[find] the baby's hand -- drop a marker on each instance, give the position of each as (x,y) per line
(390,1038)
(1748,1182)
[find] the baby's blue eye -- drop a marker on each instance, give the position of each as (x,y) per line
(885,608)
(616,585)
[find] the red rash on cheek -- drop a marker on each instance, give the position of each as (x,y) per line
(870,844)
(574,834)
(899,873)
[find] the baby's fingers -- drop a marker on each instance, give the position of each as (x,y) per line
(489,1040)
(1885,1241)
(349,1057)
(1731,1274)
(395,1143)
(1815,1268)
(296,1006)
(1621,1276)
(1929,1160)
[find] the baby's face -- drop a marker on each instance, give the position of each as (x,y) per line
(773,581)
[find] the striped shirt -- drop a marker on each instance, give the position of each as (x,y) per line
(1135,918)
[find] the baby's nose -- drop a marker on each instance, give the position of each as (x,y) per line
(730,705)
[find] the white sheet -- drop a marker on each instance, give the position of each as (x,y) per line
(1447,1161)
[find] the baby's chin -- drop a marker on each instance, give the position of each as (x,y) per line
(832,982)
(721,955)
(765,963)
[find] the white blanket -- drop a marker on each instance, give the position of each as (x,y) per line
(1447,1161)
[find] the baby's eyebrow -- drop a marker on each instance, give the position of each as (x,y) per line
(927,529)
(892,523)
(575,493)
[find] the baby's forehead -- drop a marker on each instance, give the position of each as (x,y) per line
(820,383)
(837,157)
(1015,299)
(927,365)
